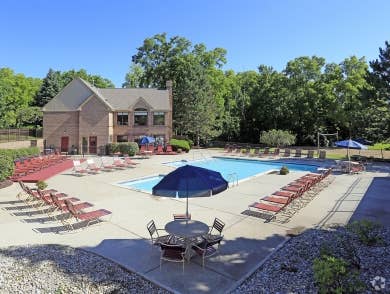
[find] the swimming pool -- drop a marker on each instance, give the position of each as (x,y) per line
(144,184)
(231,169)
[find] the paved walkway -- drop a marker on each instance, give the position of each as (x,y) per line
(247,240)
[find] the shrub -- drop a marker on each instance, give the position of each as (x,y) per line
(130,148)
(6,165)
(277,138)
(332,275)
(182,144)
(22,152)
(112,148)
(190,142)
(284,170)
(8,156)
(41,185)
(367,231)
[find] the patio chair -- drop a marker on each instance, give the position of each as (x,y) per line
(89,217)
(298,153)
(78,169)
(169,150)
(174,253)
(265,153)
(322,154)
(287,153)
(129,161)
(276,152)
(277,199)
(159,150)
(268,207)
(92,167)
(119,164)
(215,230)
(310,154)
(255,152)
(61,206)
(207,248)
(181,216)
(155,236)
(106,165)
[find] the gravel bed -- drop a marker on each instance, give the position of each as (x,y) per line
(62,269)
(289,270)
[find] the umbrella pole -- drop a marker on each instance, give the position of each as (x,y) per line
(349,161)
(187,203)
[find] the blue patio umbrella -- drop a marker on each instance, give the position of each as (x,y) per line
(350,144)
(190,181)
(146,140)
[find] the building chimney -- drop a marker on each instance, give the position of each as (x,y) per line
(169,86)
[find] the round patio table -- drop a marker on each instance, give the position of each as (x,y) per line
(186,228)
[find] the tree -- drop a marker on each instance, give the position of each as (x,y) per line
(133,78)
(197,108)
(51,86)
(304,74)
(16,92)
(94,80)
(381,70)
(277,138)
(29,116)
(377,100)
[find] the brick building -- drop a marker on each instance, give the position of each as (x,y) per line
(86,118)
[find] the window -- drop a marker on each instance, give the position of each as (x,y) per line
(140,117)
(122,138)
(122,118)
(158,118)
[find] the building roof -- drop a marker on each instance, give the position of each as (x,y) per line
(78,91)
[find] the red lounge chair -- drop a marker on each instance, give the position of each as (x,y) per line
(160,150)
(78,169)
(267,207)
(89,217)
(288,194)
(169,150)
(119,164)
(277,199)
(92,167)
(129,161)
(265,153)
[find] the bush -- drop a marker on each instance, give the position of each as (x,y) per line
(130,148)
(367,231)
(190,142)
(277,138)
(41,185)
(284,170)
(112,148)
(380,146)
(182,144)
(332,275)
(6,165)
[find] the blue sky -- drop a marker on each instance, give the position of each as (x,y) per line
(101,36)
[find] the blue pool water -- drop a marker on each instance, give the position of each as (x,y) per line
(241,168)
(144,184)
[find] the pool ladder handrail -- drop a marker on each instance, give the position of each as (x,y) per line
(232,178)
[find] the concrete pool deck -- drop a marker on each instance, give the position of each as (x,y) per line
(125,240)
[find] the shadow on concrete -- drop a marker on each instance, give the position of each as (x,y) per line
(236,260)
(375,204)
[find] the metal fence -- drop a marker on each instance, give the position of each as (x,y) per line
(9,135)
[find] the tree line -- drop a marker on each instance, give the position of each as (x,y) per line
(308,96)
